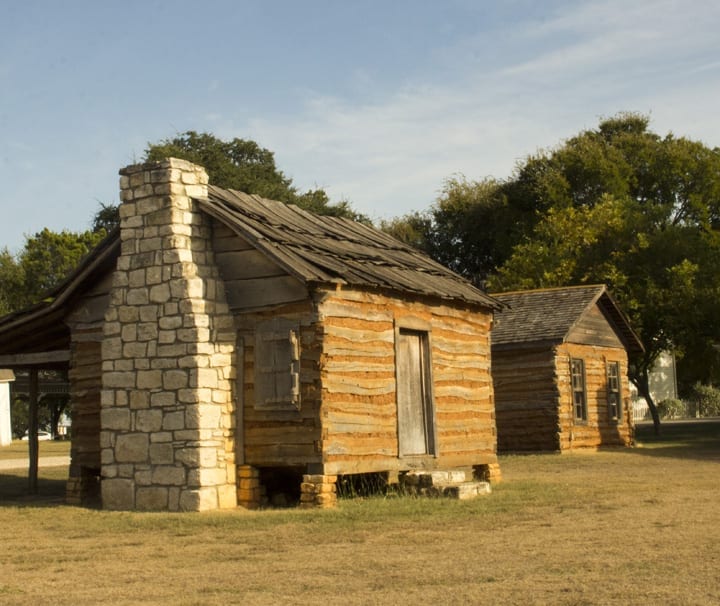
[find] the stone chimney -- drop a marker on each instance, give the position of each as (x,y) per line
(168,352)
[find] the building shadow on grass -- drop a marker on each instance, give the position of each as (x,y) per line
(14,491)
(697,439)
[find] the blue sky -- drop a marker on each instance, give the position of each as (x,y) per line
(378,102)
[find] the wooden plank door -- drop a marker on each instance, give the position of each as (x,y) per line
(413,394)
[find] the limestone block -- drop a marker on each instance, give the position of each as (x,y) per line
(118,494)
(147,331)
(160,293)
(106,439)
(172,351)
(206,476)
(107,398)
(154,275)
(173,420)
(175,379)
(127,209)
(186,435)
(149,379)
(111,347)
(136,180)
(189,457)
(141,363)
(129,332)
(143,477)
(115,418)
(161,436)
(127,314)
(170,322)
(162,399)
(151,498)
(109,471)
(135,350)
(169,475)
(193,335)
(220,360)
(118,380)
(197,191)
(132,448)
(126,470)
(167,337)
(173,498)
(163,363)
(204,377)
(151,242)
(199,499)
(206,416)
(107,456)
(204,348)
(139,399)
(148,420)
(127,365)
(149,205)
(142,191)
(194,362)
(227,496)
(136,278)
(137,296)
(222,397)
(162,454)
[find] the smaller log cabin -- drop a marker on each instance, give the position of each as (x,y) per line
(560,370)
(222,347)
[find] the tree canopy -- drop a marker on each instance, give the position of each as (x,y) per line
(243,165)
(44,261)
(618,205)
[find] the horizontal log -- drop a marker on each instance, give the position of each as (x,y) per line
(246,264)
(263,292)
(34,359)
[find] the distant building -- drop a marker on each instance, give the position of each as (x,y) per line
(6,377)
(662,382)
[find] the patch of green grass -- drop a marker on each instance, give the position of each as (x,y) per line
(18,449)
(683,439)
(51,487)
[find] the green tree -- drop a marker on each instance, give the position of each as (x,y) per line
(45,260)
(243,165)
(639,212)
(106,218)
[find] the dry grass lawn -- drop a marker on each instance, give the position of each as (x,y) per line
(637,526)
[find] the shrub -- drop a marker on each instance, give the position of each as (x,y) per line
(671,408)
(705,400)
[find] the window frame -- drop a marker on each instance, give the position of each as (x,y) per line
(277,367)
(614,388)
(578,390)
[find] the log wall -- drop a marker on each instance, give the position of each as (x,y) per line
(526,399)
(599,430)
(357,374)
(280,438)
(85,376)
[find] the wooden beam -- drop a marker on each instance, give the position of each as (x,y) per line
(34,359)
(33,433)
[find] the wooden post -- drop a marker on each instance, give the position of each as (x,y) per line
(33,432)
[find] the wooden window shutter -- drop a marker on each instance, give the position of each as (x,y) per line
(277,365)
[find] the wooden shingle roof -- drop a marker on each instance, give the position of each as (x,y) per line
(314,249)
(331,250)
(548,315)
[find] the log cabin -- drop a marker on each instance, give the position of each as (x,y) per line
(222,347)
(560,370)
